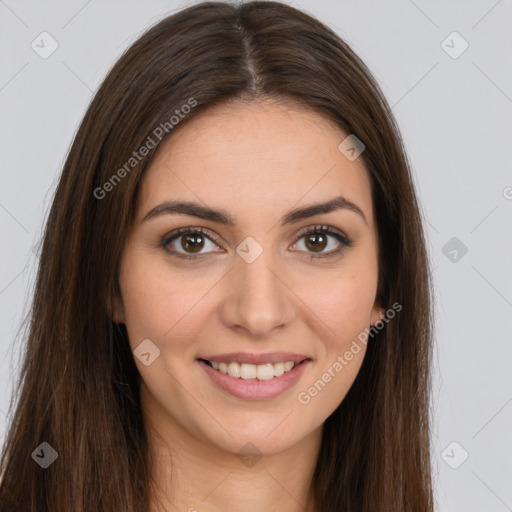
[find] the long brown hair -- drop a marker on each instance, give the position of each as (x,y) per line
(78,384)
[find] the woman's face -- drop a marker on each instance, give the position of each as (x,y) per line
(250,289)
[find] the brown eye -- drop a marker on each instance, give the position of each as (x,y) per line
(192,243)
(188,243)
(316,240)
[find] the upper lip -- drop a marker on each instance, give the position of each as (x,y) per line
(252,358)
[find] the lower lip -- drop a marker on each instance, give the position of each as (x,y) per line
(254,389)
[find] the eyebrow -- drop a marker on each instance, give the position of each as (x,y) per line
(223,217)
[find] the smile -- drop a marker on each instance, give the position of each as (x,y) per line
(252,371)
(254,381)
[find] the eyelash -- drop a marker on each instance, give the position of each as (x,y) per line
(322,230)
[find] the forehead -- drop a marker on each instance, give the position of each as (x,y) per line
(252,157)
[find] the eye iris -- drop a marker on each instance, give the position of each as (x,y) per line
(194,246)
(316,246)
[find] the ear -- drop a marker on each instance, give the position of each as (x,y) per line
(377,314)
(116,310)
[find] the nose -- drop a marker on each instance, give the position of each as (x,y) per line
(257,298)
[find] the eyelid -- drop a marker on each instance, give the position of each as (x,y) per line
(323,228)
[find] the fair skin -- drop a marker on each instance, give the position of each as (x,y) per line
(256,162)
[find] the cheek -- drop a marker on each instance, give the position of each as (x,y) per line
(147,303)
(148,298)
(160,303)
(345,314)
(342,302)
(340,315)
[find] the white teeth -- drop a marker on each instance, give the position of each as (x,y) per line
(234,370)
(264,372)
(253,371)
(278,369)
(247,371)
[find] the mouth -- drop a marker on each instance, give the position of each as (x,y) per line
(249,377)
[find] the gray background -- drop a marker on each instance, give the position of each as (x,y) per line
(455,115)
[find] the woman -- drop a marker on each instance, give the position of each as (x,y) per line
(232,309)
